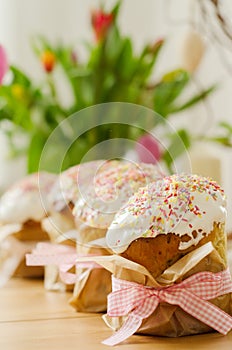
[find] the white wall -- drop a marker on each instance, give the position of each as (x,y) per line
(145,21)
(68,20)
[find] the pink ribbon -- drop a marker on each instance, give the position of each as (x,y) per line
(139,302)
(63,256)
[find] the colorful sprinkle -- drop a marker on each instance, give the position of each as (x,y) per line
(180,204)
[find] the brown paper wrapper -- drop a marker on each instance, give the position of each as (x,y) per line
(229,252)
(16,240)
(31,234)
(92,285)
(56,226)
(168,320)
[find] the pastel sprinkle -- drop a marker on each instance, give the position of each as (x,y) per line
(178,204)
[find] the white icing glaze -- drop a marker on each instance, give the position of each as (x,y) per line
(27,199)
(74,181)
(179,204)
(112,188)
(64,190)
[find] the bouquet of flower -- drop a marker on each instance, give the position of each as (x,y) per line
(113,72)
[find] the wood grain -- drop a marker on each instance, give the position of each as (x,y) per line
(32,318)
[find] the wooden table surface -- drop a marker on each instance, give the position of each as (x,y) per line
(32,318)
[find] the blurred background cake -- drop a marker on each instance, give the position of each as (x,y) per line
(65,192)
(94,212)
(110,190)
(22,209)
(60,224)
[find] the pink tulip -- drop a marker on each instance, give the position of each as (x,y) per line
(3,63)
(148,149)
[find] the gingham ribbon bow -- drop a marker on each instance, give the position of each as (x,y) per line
(139,302)
(64,257)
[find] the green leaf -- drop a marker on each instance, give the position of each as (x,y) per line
(15,108)
(20,77)
(147,60)
(116,9)
(179,143)
(223,140)
(113,46)
(80,72)
(126,64)
(170,87)
(226,126)
(35,148)
(4,114)
(194,100)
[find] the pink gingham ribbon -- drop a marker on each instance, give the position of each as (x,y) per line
(63,256)
(139,302)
